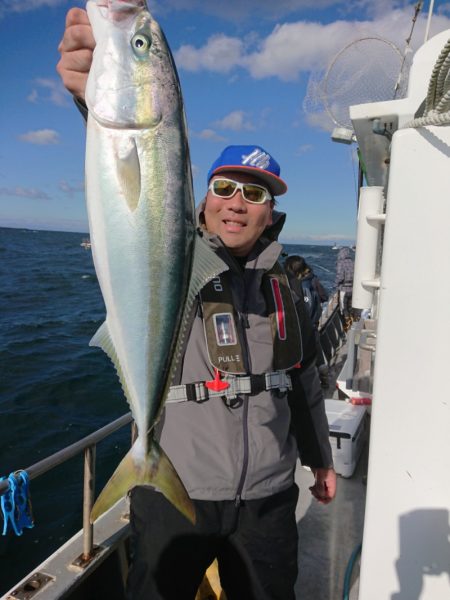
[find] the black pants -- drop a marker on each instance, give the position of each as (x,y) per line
(255,544)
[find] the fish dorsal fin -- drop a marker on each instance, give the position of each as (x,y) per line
(102,339)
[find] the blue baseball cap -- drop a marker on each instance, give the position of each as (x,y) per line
(250,159)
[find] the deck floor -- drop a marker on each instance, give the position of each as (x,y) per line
(328,535)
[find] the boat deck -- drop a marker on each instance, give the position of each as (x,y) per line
(328,535)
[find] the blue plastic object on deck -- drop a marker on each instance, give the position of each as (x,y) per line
(15,504)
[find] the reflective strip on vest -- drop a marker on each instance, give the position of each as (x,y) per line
(197,392)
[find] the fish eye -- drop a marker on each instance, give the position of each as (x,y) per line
(141,44)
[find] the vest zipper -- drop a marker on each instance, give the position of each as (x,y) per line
(245,457)
(246,325)
(243,317)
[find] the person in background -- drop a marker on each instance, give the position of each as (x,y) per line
(344,284)
(315,294)
(303,281)
(245,403)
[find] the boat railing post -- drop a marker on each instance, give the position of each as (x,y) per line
(88,500)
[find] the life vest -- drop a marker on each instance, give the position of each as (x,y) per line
(223,325)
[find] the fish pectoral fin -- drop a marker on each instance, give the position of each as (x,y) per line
(102,339)
(128,172)
(154,469)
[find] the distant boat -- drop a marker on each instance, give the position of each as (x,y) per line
(335,247)
(86,244)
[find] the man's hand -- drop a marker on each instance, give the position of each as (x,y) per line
(324,488)
(76,50)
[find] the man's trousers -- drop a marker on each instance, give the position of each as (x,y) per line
(255,544)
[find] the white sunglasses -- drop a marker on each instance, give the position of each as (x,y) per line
(251,192)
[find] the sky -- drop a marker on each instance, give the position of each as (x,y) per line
(252,72)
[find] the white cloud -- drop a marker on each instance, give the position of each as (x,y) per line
(33,96)
(20,192)
(50,90)
(210,135)
(295,48)
(41,137)
(303,149)
(69,189)
(220,54)
(444,8)
(8,6)
(236,120)
(320,120)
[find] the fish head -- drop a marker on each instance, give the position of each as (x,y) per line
(132,83)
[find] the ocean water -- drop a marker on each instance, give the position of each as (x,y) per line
(54,388)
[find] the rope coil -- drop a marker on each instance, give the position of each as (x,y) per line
(437,103)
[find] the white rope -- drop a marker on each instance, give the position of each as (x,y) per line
(437,103)
(443,105)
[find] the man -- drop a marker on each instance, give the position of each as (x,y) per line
(245,403)
(302,277)
(344,284)
(304,281)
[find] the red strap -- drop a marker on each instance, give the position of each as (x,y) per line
(281,322)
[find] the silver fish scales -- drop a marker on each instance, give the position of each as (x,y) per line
(149,261)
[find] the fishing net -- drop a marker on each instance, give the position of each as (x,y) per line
(370,69)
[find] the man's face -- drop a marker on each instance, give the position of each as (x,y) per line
(238,223)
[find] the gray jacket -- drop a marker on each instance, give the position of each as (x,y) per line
(247,447)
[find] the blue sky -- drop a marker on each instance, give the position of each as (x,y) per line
(244,66)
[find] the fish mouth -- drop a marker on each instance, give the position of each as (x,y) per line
(117,10)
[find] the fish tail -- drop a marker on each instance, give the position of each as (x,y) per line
(152,468)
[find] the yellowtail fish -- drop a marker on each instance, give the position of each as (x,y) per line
(149,260)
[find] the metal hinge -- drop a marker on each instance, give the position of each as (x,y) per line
(30,587)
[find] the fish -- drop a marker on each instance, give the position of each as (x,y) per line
(149,259)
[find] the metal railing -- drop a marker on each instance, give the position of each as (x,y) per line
(88,445)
